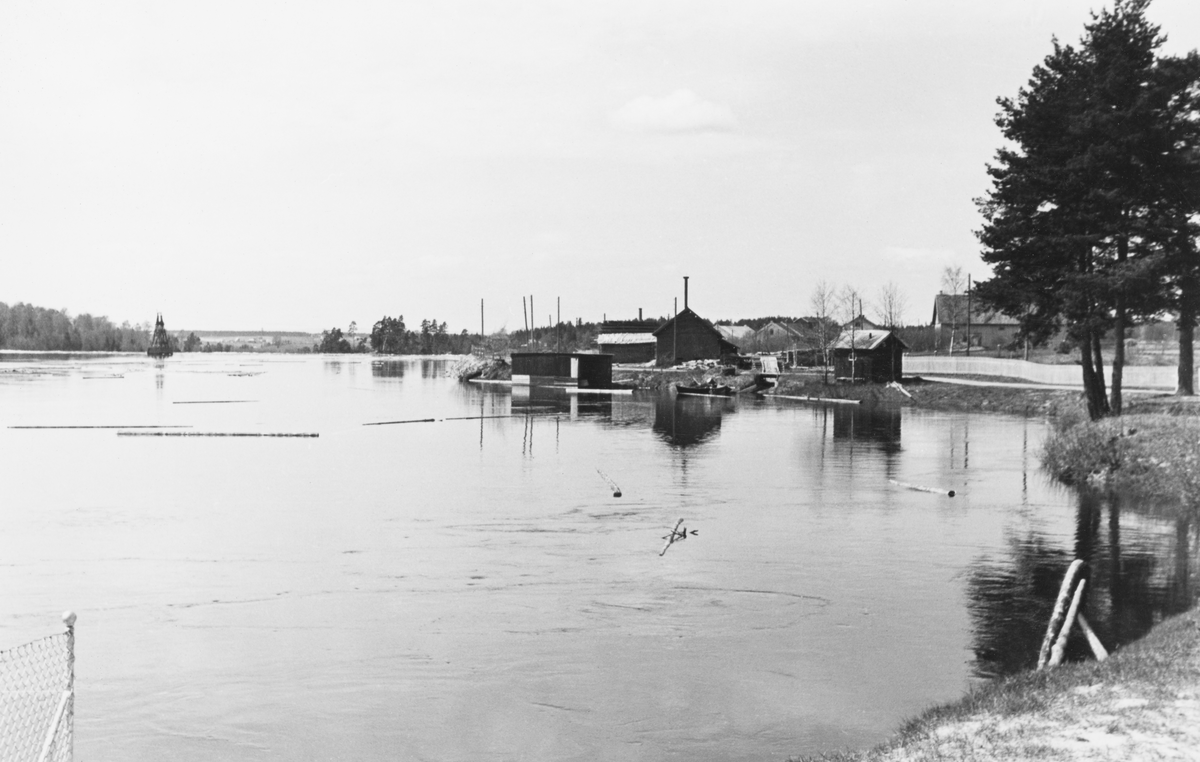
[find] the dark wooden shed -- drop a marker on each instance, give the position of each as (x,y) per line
(590,371)
(874,355)
(628,341)
(687,336)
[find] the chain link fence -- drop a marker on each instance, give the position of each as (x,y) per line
(37,699)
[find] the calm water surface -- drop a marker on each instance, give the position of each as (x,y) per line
(470,589)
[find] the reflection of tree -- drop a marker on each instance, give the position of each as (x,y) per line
(863,424)
(1010,602)
(1132,584)
(689,421)
(385,369)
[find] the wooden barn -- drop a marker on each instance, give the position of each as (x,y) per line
(628,341)
(687,336)
(876,356)
(586,371)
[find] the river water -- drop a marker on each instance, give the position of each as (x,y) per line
(469,588)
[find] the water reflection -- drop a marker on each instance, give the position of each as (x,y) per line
(689,421)
(388,368)
(1132,585)
(878,425)
(538,400)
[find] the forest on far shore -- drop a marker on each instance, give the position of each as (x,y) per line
(26,327)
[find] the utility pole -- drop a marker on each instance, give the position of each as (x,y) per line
(675,334)
(968,314)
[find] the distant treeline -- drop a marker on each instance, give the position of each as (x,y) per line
(392,337)
(24,326)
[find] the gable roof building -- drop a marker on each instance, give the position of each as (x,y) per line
(628,341)
(872,355)
(988,328)
(687,336)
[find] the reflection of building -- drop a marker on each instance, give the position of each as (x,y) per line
(880,425)
(876,356)
(688,421)
(549,400)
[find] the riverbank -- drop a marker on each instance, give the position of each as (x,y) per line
(1143,703)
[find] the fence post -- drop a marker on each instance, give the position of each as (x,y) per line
(65,707)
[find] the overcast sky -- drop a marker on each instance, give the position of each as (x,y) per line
(299,165)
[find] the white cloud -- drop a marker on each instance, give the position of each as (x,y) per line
(680,112)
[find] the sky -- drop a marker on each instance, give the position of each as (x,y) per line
(301,165)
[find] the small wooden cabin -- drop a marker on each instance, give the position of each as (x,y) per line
(687,336)
(628,341)
(875,356)
(585,371)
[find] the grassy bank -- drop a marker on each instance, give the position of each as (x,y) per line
(1143,703)
(1151,457)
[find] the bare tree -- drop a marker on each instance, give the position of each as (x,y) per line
(849,301)
(824,303)
(953,281)
(890,304)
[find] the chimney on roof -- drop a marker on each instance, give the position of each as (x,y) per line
(639,314)
(685,280)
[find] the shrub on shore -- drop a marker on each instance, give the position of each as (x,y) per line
(1152,457)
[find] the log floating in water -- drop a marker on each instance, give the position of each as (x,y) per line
(616,490)
(459,418)
(100,427)
(919,488)
(207,434)
(209,402)
(394,423)
(812,399)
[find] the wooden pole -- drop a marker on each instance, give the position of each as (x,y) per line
(558,327)
(527,334)
(1098,649)
(1056,653)
(968,314)
(671,537)
(1056,618)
